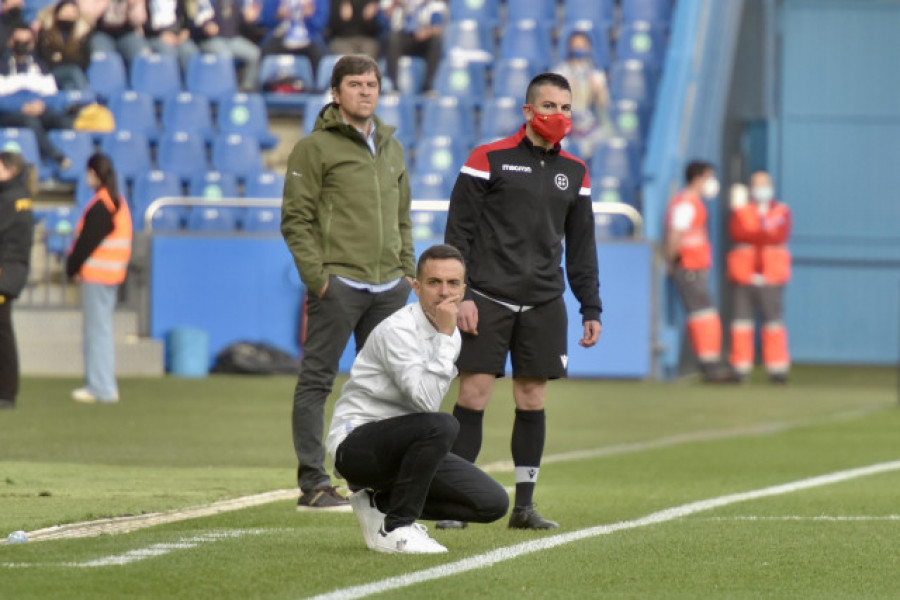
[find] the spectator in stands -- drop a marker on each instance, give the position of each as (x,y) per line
(120,28)
(16,236)
(388,433)
(25,90)
(759,266)
(300,30)
(590,95)
(10,16)
(64,46)
(417,28)
(99,257)
(352,244)
(220,34)
(688,254)
(168,27)
(355,27)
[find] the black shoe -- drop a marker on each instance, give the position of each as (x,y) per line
(450,524)
(526,517)
(778,378)
(7,404)
(721,374)
(325,497)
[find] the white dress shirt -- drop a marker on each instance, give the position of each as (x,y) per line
(405,367)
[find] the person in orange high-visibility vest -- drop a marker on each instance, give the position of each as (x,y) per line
(689,256)
(99,257)
(759,266)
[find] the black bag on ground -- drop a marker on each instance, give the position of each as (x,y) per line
(252,358)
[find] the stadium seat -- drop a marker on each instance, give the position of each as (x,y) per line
(74,98)
(456,77)
(323,72)
(211,75)
(542,11)
(410,75)
(262,219)
(135,111)
(399,111)
(431,186)
(156,74)
(655,11)
(469,40)
(148,187)
(130,151)
(169,218)
(181,153)
(616,158)
(501,118)
(213,218)
(265,185)
(275,67)
(213,185)
(23,141)
(187,112)
(632,80)
(612,226)
(77,146)
(486,12)
(612,189)
(246,114)
(511,77)
(450,116)
(599,12)
(59,225)
(642,41)
(313,106)
(598,33)
(237,154)
(629,120)
(106,75)
(439,154)
(529,40)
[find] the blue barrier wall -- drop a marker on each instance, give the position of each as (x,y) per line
(246,288)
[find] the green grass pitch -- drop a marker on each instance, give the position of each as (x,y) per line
(616,452)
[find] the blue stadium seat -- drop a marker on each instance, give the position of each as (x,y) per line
(613,189)
(632,80)
(71,98)
(450,116)
(262,219)
(323,72)
(599,12)
(629,120)
(213,218)
(511,77)
(598,33)
(246,114)
(410,75)
(431,186)
(59,225)
(156,74)
(616,158)
(77,146)
(213,185)
(148,187)
(469,40)
(23,141)
(428,224)
(274,67)
(462,79)
(130,151)
(612,226)
(267,184)
(501,118)
(169,218)
(187,112)
(486,12)
(106,74)
(399,111)
(529,40)
(655,11)
(181,153)
(211,75)
(542,11)
(642,41)
(311,110)
(135,112)
(237,154)
(439,154)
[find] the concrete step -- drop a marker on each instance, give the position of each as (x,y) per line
(53,323)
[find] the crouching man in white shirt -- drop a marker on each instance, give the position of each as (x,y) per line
(388,439)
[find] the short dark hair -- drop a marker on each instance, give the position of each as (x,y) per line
(354,64)
(695,169)
(20,25)
(439,252)
(554,79)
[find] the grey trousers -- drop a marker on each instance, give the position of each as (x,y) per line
(330,321)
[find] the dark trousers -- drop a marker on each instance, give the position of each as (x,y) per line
(9,357)
(401,43)
(407,460)
(40,125)
(330,322)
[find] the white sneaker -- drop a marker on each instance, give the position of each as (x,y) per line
(412,539)
(368,515)
(84,396)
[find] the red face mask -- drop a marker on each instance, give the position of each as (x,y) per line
(552,128)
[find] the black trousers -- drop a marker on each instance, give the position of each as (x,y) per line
(401,43)
(9,356)
(407,460)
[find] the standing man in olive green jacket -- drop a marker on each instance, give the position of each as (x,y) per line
(345,218)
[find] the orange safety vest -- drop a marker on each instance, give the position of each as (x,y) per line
(760,244)
(694,250)
(108,263)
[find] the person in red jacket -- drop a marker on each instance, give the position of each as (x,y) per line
(759,265)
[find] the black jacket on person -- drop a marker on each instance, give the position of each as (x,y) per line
(512,208)
(16,235)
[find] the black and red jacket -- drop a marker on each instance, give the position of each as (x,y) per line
(513,206)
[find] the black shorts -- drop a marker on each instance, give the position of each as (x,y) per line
(536,339)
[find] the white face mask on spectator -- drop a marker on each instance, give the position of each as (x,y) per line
(762,193)
(710,188)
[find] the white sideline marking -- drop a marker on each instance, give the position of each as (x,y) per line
(669,514)
(127,524)
(151,551)
(833,518)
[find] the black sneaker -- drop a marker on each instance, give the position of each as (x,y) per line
(526,517)
(778,378)
(325,497)
(450,524)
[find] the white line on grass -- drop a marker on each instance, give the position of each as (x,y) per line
(830,518)
(669,514)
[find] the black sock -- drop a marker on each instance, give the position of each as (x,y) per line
(529,431)
(468,440)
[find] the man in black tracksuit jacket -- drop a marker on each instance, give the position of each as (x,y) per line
(514,204)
